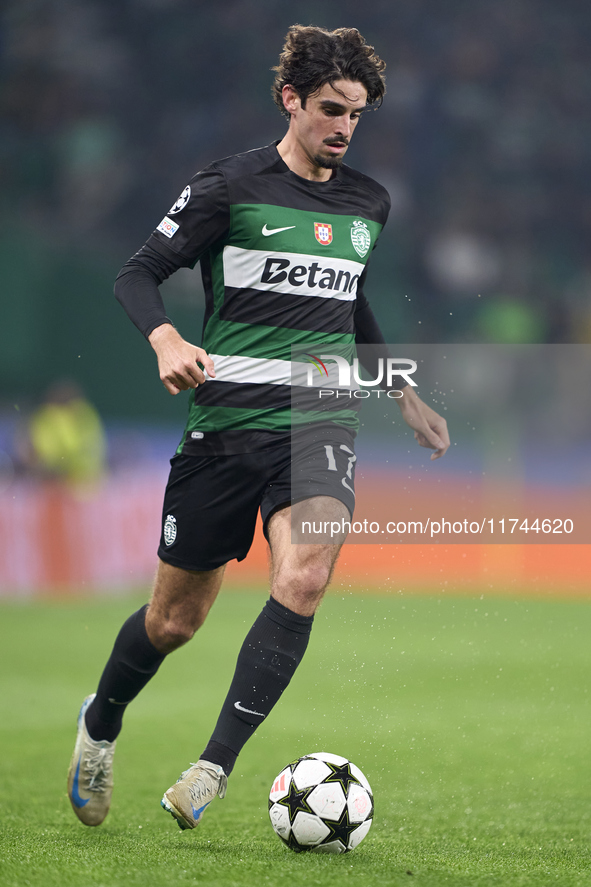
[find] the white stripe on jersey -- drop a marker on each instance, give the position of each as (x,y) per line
(293,273)
(237,368)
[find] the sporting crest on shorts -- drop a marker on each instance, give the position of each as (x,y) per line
(360,237)
(323,233)
(169,529)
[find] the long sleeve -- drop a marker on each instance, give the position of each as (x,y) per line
(136,287)
(369,336)
(195,221)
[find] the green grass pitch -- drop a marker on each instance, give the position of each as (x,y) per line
(470,717)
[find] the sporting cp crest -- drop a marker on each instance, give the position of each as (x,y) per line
(169,529)
(323,233)
(360,237)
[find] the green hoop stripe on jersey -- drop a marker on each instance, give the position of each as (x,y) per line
(251,224)
(252,340)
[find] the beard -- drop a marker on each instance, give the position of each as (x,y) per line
(328,162)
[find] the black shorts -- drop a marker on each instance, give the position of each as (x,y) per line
(211,502)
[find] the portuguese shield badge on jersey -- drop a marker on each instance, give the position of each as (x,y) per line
(323,233)
(360,237)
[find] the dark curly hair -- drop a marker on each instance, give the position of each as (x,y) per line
(313,56)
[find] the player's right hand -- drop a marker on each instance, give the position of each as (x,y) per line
(429,427)
(178,360)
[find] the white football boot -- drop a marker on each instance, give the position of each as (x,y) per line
(194,790)
(90,777)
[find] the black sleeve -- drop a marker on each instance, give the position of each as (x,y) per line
(194,222)
(136,287)
(200,216)
(368,333)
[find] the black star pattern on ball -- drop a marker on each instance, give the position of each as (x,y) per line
(340,830)
(341,773)
(296,801)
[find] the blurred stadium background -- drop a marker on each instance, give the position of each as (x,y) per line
(484,143)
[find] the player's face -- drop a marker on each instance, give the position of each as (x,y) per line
(324,127)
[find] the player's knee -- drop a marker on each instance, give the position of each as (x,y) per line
(170,634)
(308,581)
(315,577)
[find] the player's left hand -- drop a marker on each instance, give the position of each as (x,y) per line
(429,427)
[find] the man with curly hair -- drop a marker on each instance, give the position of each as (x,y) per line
(283,234)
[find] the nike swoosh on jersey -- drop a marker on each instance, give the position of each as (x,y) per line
(247,710)
(79,802)
(268,231)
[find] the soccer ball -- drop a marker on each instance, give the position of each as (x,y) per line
(321,803)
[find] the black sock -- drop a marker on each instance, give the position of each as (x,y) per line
(270,654)
(132,663)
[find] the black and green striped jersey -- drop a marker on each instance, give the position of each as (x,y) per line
(283,261)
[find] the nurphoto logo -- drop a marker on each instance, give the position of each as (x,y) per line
(348,376)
